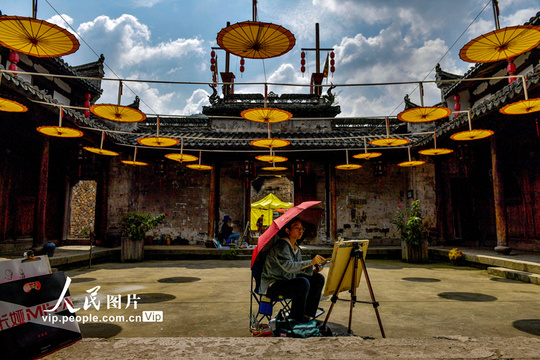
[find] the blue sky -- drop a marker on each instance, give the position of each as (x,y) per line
(374,40)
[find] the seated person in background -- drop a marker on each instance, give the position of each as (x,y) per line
(260,226)
(227,235)
(285,273)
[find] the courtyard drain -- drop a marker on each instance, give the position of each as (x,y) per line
(421,279)
(465,296)
(179,280)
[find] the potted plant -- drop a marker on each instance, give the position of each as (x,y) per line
(413,233)
(134,227)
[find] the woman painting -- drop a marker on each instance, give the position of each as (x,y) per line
(285,273)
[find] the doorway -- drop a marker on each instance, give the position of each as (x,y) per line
(83,209)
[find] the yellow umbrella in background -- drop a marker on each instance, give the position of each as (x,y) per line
(411,163)
(266,115)
(274,168)
(256,40)
(200,166)
(367,155)
(100,150)
(388,141)
(348,166)
(118,113)
(471,134)
(36,37)
(11,106)
(157,140)
(181,157)
(270,143)
(424,114)
(60,131)
(522,107)
(501,44)
(435,150)
(134,162)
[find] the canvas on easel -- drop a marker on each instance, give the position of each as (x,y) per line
(341,265)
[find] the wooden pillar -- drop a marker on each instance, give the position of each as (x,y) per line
(102,191)
(212,203)
(333,203)
(40,212)
(5,190)
(66,227)
(500,207)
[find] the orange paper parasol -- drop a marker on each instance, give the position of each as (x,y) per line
(59,131)
(270,143)
(501,44)
(118,113)
(199,166)
(411,163)
(100,151)
(181,157)
(472,135)
(389,142)
(348,166)
(134,162)
(158,141)
(522,107)
(435,151)
(256,40)
(367,155)
(274,168)
(36,37)
(11,106)
(424,114)
(266,115)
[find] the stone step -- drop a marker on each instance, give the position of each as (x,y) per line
(514,274)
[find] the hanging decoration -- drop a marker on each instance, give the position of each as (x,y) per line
(266,115)
(181,157)
(117,112)
(272,158)
(59,131)
(274,168)
(269,142)
(11,106)
(471,134)
(411,163)
(367,155)
(435,150)
(522,107)
(457,105)
(348,166)
(14,60)
(303,62)
(199,166)
(242,63)
(388,141)
(134,162)
(332,63)
(35,37)
(423,113)
(158,141)
(87,104)
(511,70)
(100,150)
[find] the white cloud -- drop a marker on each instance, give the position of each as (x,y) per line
(196,101)
(61,20)
(145,3)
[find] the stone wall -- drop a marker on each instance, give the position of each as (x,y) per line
(83,209)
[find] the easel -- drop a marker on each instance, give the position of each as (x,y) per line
(356,254)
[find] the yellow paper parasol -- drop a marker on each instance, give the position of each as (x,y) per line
(389,142)
(274,168)
(424,114)
(181,157)
(522,107)
(270,143)
(501,44)
(435,151)
(266,115)
(60,131)
(11,106)
(158,141)
(200,166)
(256,40)
(271,158)
(118,113)
(100,150)
(411,163)
(348,166)
(36,37)
(471,134)
(134,162)
(367,155)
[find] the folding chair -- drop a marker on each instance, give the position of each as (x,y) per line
(264,304)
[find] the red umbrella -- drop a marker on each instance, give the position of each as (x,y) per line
(305,211)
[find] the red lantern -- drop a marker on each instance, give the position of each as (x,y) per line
(303,55)
(332,68)
(212,61)
(303,69)
(13,67)
(303,62)
(87,103)
(456,98)
(332,55)
(511,68)
(212,53)
(86,113)
(242,61)
(242,68)
(332,62)
(457,106)
(212,68)
(14,57)
(87,96)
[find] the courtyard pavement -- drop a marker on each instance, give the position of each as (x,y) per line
(434,311)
